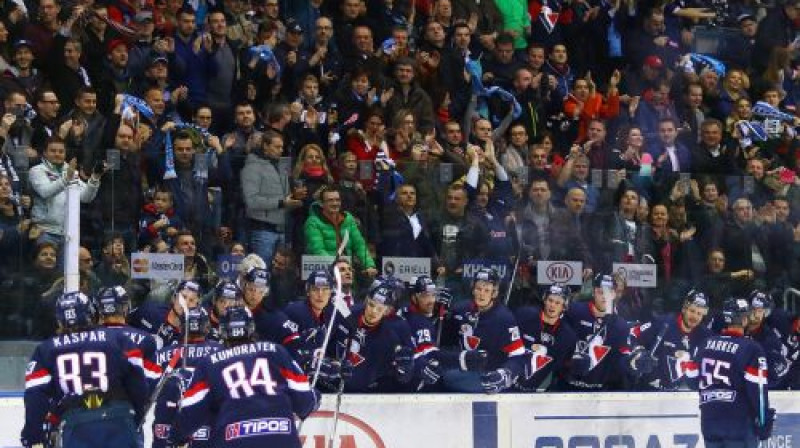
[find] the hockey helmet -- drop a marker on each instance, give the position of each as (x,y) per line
(318,279)
(423,284)
(74,310)
(113,300)
(237,323)
(734,309)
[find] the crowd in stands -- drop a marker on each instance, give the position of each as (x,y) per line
(454,130)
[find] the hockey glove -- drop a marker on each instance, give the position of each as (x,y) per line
(329,369)
(404,363)
(642,363)
(496,381)
(431,373)
(443,300)
(472,360)
(764,432)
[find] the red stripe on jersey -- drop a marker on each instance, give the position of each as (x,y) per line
(291,375)
(755,371)
(135,353)
(422,347)
(37,374)
(625,350)
(290,338)
(152,367)
(196,389)
(636,331)
(514,346)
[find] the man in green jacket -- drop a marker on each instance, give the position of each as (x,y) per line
(326,225)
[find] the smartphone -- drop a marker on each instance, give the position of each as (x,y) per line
(113,159)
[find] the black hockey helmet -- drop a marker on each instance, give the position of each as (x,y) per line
(319,278)
(383,293)
(237,323)
(113,300)
(734,309)
(696,298)
(486,275)
(74,310)
(197,321)
(423,284)
(227,290)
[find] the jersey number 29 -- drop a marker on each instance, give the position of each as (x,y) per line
(241,384)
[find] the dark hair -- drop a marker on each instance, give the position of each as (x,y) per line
(504,38)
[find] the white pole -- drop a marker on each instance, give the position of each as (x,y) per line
(72,236)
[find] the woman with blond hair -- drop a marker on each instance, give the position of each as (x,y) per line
(734,87)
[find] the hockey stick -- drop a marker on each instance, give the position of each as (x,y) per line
(328,331)
(185,309)
(338,296)
(762,417)
(516,262)
(659,339)
(166,375)
(340,391)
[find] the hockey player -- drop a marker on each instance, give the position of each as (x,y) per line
(197,326)
(164,319)
(249,391)
(603,360)
(734,402)
(548,337)
(673,342)
(485,324)
(313,316)
(760,330)
(377,356)
(113,305)
(271,325)
(226,294)
(93,376)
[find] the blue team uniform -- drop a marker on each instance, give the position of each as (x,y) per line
(559,339)
(605,342)
(731,369)
(300,313)
(786,325)
(147,343)
(94,379)
(166,406)
(676,353)
(371,352)
(250,393)
(778,365)
(152,318)
(274,326)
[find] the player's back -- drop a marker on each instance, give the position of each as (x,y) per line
(255,388)
(731,368)
(97,359)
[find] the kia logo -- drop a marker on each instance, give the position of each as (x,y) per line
(351,432)
(559,272)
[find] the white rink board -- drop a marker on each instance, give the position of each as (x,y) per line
(600,420)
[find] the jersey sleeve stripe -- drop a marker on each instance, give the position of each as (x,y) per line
(291,338)
(195,394)
(151,369)
(296,381)
(135,357)
(755,375)
(37,378)
(515,348)
(690,369)
(424,349)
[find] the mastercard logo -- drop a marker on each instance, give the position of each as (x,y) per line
(141,265)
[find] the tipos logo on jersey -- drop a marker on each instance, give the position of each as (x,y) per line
(161,431)
(257,427)
(470,341)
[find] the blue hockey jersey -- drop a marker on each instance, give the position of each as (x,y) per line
(151,317)
(300,313)
(558,341)
(166,406)
(676,352)
(731,369)
(605,342)
(371,350)
(250,393)
(147,343)
(494,330)
(65,367)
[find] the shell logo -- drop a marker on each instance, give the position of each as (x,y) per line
(351,432)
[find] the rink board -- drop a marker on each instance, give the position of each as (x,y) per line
(599,420)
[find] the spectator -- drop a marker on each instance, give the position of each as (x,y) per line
(49,181)
(325,228)
(267,196)
(586,104)
(407,95)
(744,243)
